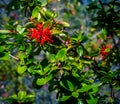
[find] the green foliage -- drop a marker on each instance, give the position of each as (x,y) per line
(35,12)
(61,55)
(75,66)
(21,97)
(43,81)
(4,56)
(64,98)
(21,69)
(80,50)
(4,31)
(19,29)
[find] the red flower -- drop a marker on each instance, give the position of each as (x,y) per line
(105,50)
(41,34)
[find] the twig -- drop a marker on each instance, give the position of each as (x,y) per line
(60,39)
(16,58)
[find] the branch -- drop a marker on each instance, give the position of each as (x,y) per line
(16,58)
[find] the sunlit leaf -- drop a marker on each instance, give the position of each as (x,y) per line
(31,3)
(80,50)
(65,24)
(61,55)
(5,31)
(20,29)
(43,81)
(92,100)
(84,88)
(1,48)
(64,98)
(49,14)
(75,94)
(21,69)
(70,85)
(14,97)
(21,95)
(4,56)
(36,12)
(22,56)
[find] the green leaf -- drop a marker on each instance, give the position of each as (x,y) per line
(80,102)
(46,69)
(118,20)
(21,95)
(5,31)
(67,85)
(49,77)
(54,67)
(1,48)
(22,47)
(79,37)
(84,39)
(31,3)
(22,56)
(61,83)
(95,53)
(30,96)
(28,24)
(30,70)
(75,94)
(21,69)
(104,31)
(4,56)
(49,14)
(62,34)
(67,67)
(61,55)
(48,23)
(95,88)
(75,75)
(55,31)
(65,24)
(43,81)
(43,2)
(64,98)
(2,36)
(84,88)
(36,12)
(92,100)
(80,50)
(14,97)
(20,30)
(29,48)
(52,58)
(70,85)
(107,50)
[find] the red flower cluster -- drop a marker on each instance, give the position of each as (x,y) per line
(41,34)
(105,50)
